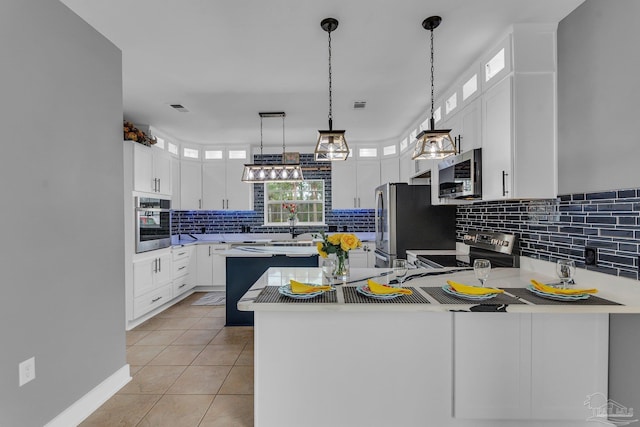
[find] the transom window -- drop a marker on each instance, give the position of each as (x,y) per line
(308,197)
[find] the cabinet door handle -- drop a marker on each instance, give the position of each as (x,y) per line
(181,253)
(182,286)
(156,300)
(155,265)
(159,186)
(182,268)
(358,201)
(222,203)
(159,264)
(199,203)
(209,250)
(504,183)
(354,203)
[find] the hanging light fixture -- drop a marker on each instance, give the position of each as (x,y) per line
(331,143)
(260,172)
(432,143)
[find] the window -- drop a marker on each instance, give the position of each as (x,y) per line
(451,103)
(368,152)
(190,153)
(437,115)
(308,196)
(389,150)
(404,144)
(237,154)
(172,148)
(495,65)
(159,142)
(213,154)
(470,87)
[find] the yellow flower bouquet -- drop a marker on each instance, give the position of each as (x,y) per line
(338,244)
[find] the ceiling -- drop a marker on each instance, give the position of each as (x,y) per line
(228,60)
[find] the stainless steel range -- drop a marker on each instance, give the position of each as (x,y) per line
(496,247)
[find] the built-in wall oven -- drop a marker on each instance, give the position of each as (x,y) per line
(153,223)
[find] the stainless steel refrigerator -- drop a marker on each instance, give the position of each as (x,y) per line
(406,219)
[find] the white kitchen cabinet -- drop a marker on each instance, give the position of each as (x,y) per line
(214,190)
(370,250)
(519,104)
(524,366)
(184,264)
(389,170)
(222,187)
(152,276)
(190,185)
(519,138)
(211,265)
(358,258)
(353,183)
(407,164)
(176,202)
(151,170)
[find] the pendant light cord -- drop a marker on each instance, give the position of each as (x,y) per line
(330,87)
(261,156)
(432,72)
(283,149)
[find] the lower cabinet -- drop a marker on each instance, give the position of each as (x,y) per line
(211,265)
(527,366)
(183,270)
(152,277)
(363,257)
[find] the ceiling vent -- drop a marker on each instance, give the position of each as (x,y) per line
(359,105)
(179,107)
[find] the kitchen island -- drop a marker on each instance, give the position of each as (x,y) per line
(345,362)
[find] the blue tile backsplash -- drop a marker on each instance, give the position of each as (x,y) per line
(212,222)
(561,228)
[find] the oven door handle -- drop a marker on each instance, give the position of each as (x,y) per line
(381,257)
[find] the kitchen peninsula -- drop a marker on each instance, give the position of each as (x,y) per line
(344,361)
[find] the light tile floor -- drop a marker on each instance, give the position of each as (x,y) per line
(188,370)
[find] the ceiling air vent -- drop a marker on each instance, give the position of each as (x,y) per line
(179,107)
(359,105)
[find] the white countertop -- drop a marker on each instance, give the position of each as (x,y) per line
(615,289)
(251,238)
(268,250)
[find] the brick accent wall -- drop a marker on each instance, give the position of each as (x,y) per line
(563,227)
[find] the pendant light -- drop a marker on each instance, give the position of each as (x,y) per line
(432,143)
(280,172)
(331,144)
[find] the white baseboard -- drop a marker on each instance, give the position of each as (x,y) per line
(87,404)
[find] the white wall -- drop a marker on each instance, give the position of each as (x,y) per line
(61,183)
(598,95)
(598,139)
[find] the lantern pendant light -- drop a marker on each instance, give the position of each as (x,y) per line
(281,172)
(432,143)
(331,144)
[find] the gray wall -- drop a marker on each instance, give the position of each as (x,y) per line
(598,97)
(61,189)
(598,140)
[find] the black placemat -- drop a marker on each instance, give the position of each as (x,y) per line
(351,296)
(535,299)
(271,295)
(444,298)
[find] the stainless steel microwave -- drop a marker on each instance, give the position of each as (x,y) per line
(460,176)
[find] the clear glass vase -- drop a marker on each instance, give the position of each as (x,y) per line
(342,267)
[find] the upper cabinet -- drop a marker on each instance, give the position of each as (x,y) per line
(519,135)
(353,181)
(152,170)
(506,104)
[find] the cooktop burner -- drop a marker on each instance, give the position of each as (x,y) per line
(496,247)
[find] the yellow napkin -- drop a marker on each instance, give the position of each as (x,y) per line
(301,288)
(551,290)
(379,289)
(472,290)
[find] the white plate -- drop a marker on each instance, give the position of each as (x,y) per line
(557,297)
(448,289)
(364,290)
(286,291)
